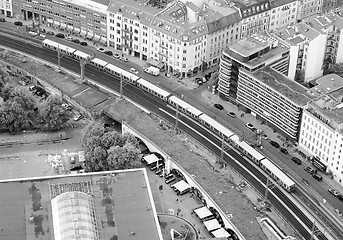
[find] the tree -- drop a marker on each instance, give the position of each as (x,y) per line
(13,117)
(53,115)
(108,150)
(20,95)
(299,76)
(4,76)
(337,69)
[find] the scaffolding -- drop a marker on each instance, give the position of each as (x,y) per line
(59,188)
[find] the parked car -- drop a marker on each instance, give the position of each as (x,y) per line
(60,35)
(124,59)
(83,44)
(170,180)
(218,106)
(69,38)
(284,151)
(75,168)
(50,33)
(264,136)
(18,23)
(133,71)
(334,192)
(78,117)
(116,55)
(32,88)
(231,114)
(274,144)
(32,33)
(2,20)
(296,160)
(249,125)
(76,41)
(317,177)
(109,53)
(101,50)
(309,170)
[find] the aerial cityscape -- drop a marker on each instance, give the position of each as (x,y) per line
(171,119)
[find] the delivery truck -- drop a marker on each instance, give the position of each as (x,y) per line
(152,70)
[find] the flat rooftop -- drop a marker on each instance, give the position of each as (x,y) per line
(329,92)
(123,205)
(290,89)
(255,44)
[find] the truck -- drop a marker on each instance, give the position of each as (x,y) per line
(152,70)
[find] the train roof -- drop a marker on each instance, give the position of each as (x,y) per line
(58,45)
(277,172)
(185,105)
(100,62)
(216,125)
(153,87)
(81,54)
(253,152)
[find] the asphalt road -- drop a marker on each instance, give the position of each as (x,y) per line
(155,105)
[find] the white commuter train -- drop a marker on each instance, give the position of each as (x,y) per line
(249,152)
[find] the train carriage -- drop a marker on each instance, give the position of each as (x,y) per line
(184,107)
(281,178)
(216,127)
(98,63)
(151,88)
(129,77)
(114,70)
(55,46)
(247,150)
(81,55)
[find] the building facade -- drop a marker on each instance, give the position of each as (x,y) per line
(255,17)
(321,126)
(282,14)
(307,50)
(6,8)
(80,17)
(308,8)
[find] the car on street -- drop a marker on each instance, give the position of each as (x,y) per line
(274,144)
(69,38)
(264,136)
(249,125)
(253,129)
(218,106)
(309,170)
(133,71)
(109,53)
(284,151)
(305,181)
(101,50)
(75,167)
(76,41)
(231,114)
(2,20)
(124,59)
(116,55)
(83,44)
(296,160)
(18,23)
(334,192)
(78,117)
(317,177)
(60,35)
(50,33)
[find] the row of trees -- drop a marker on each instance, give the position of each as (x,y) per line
(21,110)
(105,149)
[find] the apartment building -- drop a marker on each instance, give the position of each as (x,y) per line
(251,53)
(253,74)
(255,16)
(282,14)
(81,17)
(329,5)
(6,8)
(322,123)
(308,8)
(307,49)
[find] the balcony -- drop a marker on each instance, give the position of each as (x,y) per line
(127,30)
(127,37)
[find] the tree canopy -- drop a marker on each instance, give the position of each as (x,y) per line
(53,115)
(336,69)
(105,149)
